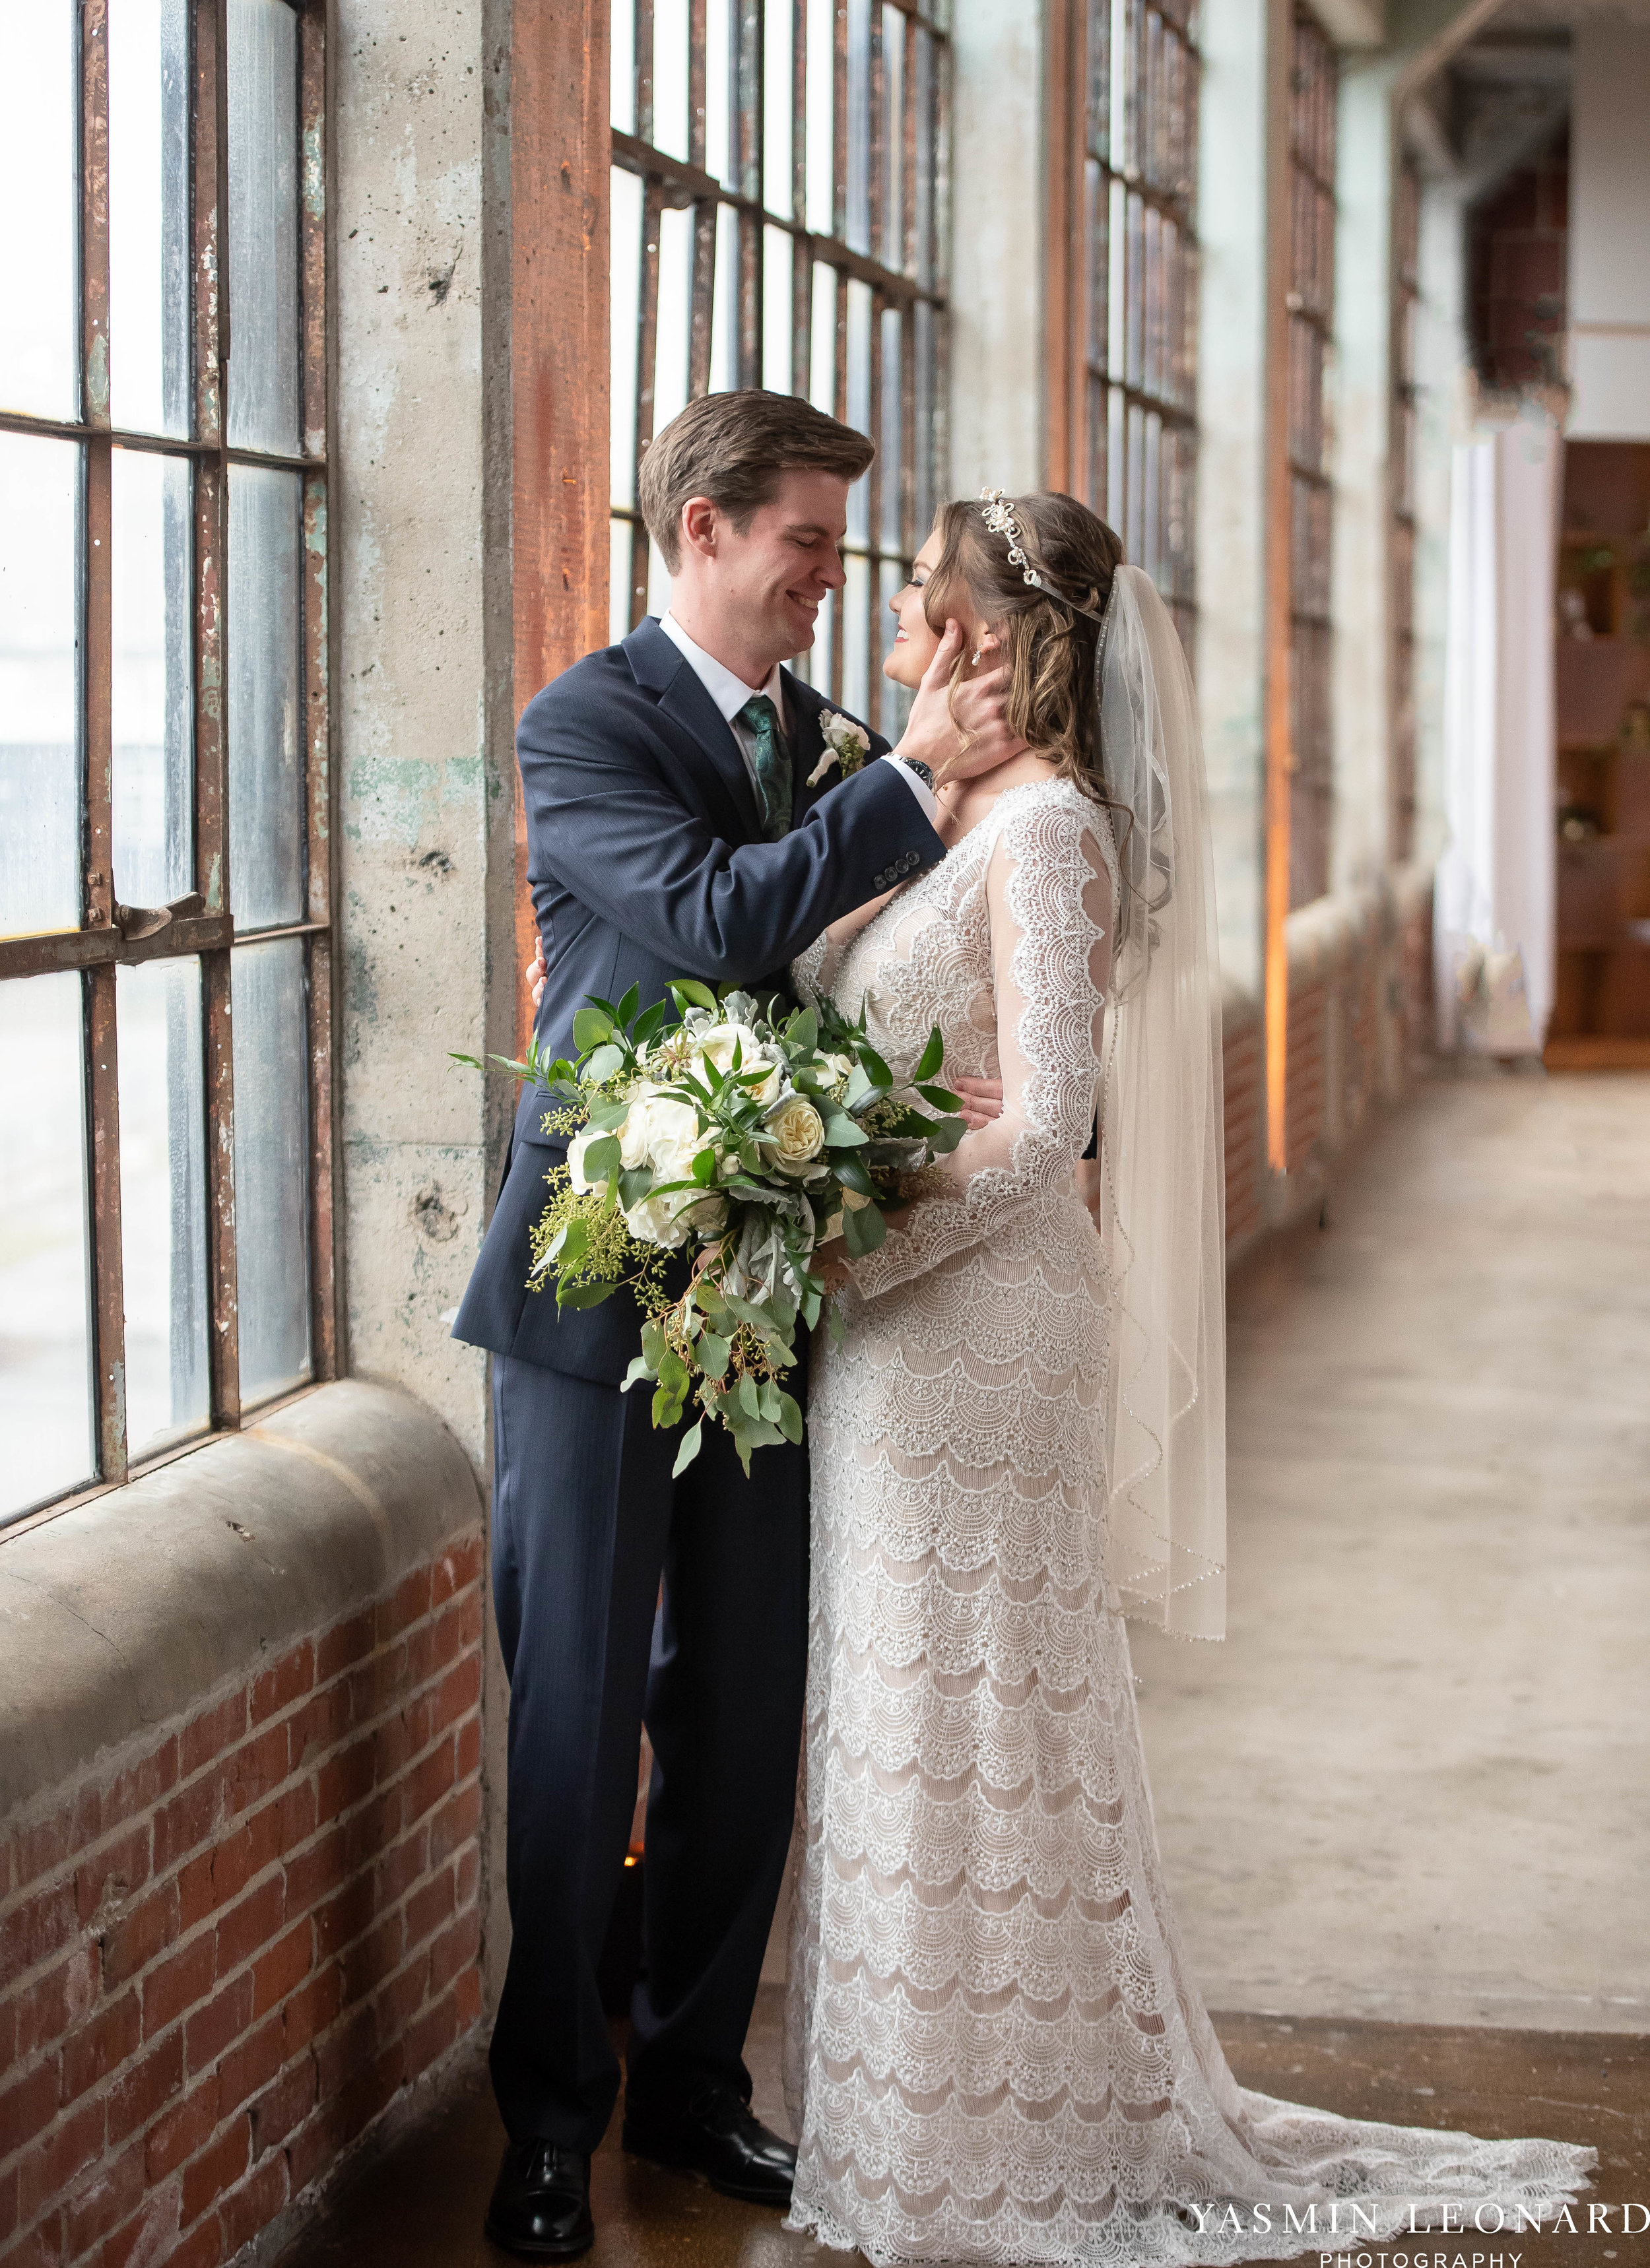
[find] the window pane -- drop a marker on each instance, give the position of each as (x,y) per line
(163,1201)
(625,283)
(271,1166)
(38,354)
(39,667)
(46,1405)
(151,678)
(265,690)
(263,388)
(670,77)
(149,215)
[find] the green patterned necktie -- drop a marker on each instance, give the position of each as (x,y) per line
(772,761)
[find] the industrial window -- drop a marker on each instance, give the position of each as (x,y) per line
(166,969)
(1311,304)
(1123,280)
(1401,547)
(779,219)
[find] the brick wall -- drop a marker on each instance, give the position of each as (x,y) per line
(219,1961)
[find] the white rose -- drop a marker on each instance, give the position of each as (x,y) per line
(657,1132)
(718,1043)
(797,1133)
(576,1150)
(658,1220)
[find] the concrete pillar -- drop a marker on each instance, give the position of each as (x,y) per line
(1000,164)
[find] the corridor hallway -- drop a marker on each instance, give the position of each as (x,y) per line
(1401,1808)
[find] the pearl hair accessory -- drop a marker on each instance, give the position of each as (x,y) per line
(999,514)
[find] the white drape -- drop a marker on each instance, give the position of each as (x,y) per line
(1493,927)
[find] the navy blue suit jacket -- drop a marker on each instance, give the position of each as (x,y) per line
(646,862)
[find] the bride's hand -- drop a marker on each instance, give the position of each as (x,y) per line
(536,972)
(978,712)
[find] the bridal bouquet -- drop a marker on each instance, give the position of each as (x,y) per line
(752,1134)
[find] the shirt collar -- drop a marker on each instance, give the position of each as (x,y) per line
(729,693)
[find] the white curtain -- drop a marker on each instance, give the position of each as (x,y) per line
(1494,912)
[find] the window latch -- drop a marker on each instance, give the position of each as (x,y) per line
(135,922)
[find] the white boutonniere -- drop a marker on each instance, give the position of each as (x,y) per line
(846,745)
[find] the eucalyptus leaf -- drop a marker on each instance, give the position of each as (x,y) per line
(747,1396)
(692,1441)
(603,1063)
(591,1028)
(713,1354)
(640,1369)
(667,1408)
(602,1159)
(584,1295)
(673,1372)
(859,1086)
(842,1132)
(789,1418)
(607,1117)
(945,1135)
(692,994)
(635,1184)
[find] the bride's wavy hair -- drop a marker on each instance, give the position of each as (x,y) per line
(1048,648)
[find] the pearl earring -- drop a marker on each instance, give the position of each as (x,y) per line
(974,656)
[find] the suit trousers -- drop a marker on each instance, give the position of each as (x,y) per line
(586,1520)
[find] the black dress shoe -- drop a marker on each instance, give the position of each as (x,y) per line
(716,2135)
(540,2208)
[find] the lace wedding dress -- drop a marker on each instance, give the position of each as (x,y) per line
(994,2049)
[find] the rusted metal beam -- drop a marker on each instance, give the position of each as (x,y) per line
(104,947)
(560,360)
(108,1280)
(646,361)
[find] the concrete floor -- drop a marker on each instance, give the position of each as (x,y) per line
(1412,1783)
(1411,1786)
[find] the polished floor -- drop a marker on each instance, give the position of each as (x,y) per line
(1402,1808)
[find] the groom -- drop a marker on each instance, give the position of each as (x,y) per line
(676,828)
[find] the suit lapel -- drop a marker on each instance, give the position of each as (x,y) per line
(808,745)
(661,669)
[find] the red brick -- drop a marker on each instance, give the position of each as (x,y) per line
(255,2204)
(312,2150)
(456,1948)
(289,1678)
(52,1840)
(251,1923)
(195,1888)
(469,1746)
(285,1966)
(312,2008)
(457,1821)
(100,2046)
(392,1747)
(282,2107)
(377,1684)
(345,1779)
(402,1997)
(429,1907)
(211,2029)
(432,2036)
(250,2067)
(201,2248)
(132,1942)
(346,2051)
(344,1645)
(342,1920)
(146,2240)
(213,1731)
(458,1691)
(312,1873)
(101,2204)
(318,1726)
(179,1982)
(34,1931)
(141,1786)
(181,2132)
(68,2150)
(143,2093)
(295,1809)
(400,1868)
(45,2011)
(206,2177)
(112,1874)
(371,1960)
(459,1566)
(187,1819)
(407,1603)
(255,1769)
(42,2248)
(29,2105)
(429,1781)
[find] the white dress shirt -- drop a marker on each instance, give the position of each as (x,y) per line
(730,694)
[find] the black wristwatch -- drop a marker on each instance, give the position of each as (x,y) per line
(922,770)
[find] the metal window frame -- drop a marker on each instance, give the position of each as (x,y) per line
(671,183)
(1153,176)
(202,923)
(1314,85)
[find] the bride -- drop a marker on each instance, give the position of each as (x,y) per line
(994,2052)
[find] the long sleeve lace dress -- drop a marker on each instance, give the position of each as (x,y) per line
(994,2052)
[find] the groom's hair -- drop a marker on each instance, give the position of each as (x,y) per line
(732,448)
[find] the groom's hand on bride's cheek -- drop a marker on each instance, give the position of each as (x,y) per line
(977,711)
